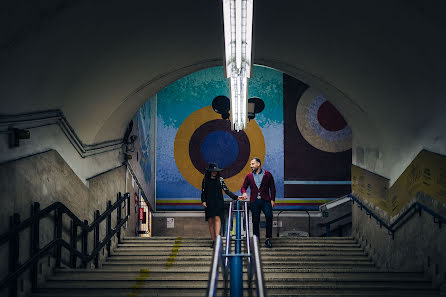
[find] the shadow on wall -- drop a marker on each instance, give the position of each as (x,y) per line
(46,178)
(418,244)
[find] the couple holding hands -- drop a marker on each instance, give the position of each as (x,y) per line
(263,195)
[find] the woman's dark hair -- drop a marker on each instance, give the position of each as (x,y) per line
(207,175)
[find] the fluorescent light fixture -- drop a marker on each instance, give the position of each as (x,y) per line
(334,203)
(237,18)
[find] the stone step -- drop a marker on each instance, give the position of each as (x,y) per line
(266,265)
(274,277)
(303,292)
(297,284)
(136,292)
(185,269)
(262,248)
(129,284)
(264,255)
(167,242)
(206,244)
(270,272)
(209,252)
(160,238)
(199,292)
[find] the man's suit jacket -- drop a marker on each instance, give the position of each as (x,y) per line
(267,187)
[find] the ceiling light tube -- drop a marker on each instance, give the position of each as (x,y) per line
(237,17)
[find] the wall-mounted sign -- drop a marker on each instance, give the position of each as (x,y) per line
(141,214)
(170,223)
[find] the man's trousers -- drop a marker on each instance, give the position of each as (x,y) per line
(265,206)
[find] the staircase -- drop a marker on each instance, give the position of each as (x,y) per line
(164,266)
(334,266)
(140,267)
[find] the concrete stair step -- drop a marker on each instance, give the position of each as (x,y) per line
(346,276)
(317,264)
(167,266)
(351,293)
(220,292)
(262,248)
(209,252)
(359,286)
(160,238)
(271,264)
(272,269)
(129,284)
(269,277)
(265,258)
(208,244)
(185,269)
(136,292)
(138,264)
(318,248)
(112,270)
(272,258)
(243,241)
(144,276)
(193,283)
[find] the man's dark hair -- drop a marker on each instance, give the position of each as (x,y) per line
(258,160)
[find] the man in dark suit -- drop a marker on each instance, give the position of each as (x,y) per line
(263,195)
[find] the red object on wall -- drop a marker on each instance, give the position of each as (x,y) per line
(141,214)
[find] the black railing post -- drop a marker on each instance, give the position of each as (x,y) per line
(73,243)
(14,247)
(85,244)
(327,228)
(58,235)
(128,203)
(109,205)
(35,230)
(96,238)
(118,219)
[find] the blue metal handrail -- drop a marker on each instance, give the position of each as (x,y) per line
(438,219)
(236,263)
(216,261)
(232,262)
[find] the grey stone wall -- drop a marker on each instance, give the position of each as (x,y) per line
(192,224)
(47,178)
(418,244)
(185,225)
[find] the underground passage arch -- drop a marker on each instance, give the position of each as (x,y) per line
(74,74)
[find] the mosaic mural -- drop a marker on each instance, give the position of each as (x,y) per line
(300,137)
(191,135)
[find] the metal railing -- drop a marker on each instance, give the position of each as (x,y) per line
(13,238)
(392,228)
(297,211)
(235,265)
(327,225)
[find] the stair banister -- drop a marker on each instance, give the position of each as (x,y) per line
(438,219)
(12,236)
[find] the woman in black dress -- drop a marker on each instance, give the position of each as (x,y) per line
(212,198)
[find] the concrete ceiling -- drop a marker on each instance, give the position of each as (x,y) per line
(380,62)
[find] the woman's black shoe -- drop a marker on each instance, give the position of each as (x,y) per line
(268,243)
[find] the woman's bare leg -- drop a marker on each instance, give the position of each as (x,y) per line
(211,222)
(217,226)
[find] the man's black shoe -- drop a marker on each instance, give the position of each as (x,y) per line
(268,243)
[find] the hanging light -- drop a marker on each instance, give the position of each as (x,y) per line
(237,19)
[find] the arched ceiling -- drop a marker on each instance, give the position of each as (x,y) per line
(380,62)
